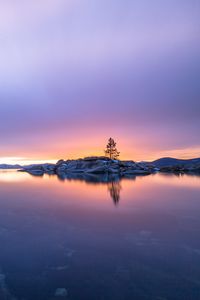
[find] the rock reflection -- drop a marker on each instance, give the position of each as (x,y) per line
(90,178)
(111,180)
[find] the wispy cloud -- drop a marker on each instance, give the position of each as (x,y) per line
(85,70)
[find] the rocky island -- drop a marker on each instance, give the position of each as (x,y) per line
(105,168)
(98,166)
(91,165)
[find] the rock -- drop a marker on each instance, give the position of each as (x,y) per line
(49,168)
(100,170)
(39,170)
(91,165)
(60,162)
(36,172)
(94,158)
(127,163)
(33,167)
(113,170)
(61,292)
(61,168)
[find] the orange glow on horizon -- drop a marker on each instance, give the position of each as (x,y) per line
(94,193)
(87,146)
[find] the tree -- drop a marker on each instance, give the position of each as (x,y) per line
(111,150)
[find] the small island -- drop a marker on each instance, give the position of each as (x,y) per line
(111,166)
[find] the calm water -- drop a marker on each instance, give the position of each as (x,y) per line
(134,239)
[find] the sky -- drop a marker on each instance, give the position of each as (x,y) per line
(75,72)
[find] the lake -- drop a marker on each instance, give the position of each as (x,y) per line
(137,238)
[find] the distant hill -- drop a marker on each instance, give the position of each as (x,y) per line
(5,166)
(170,162)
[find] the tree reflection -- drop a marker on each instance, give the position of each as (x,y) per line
(114,189)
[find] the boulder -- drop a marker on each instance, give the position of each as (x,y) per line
(40,169)
(91,165)
(36,172)
(48,168)
(127,164)
(97,170)
(60,162)
(113,169)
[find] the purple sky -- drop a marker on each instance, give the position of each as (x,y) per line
(75,72)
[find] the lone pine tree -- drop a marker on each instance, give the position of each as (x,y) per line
(111,150)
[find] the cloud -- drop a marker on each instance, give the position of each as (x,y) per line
(126,68)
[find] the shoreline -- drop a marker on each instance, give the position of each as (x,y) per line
(103,165)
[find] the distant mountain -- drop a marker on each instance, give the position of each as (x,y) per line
(5,166)
(170,162)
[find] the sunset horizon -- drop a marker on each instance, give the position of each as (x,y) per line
(178,153)
(99,149)
(68,84)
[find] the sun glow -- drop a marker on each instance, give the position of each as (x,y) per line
(24,161)
(127,152)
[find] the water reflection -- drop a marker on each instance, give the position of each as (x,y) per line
(13,176)
(111,180)
(114,188)
(65,234)
(90,178)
